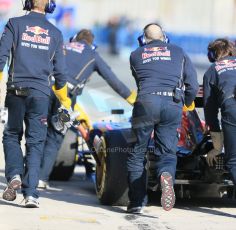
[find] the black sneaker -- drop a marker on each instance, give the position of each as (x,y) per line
(31,202)
(9,192)
(135,210)
(168,193)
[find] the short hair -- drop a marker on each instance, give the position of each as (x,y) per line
(150,35)
(222,47)
(39,4)
(85,35)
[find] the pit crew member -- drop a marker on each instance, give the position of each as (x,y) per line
(34,48)
(82,60)
(161,71)
(219,85)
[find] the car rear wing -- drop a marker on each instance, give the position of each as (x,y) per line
(199,98)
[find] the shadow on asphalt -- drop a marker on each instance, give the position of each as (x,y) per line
(201,205)
(6,203)
(81,191)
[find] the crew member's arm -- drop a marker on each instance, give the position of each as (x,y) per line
(60,73)
(190,81)
(210,102)
(6,44)
(211,110)
(105,71)
(133,71)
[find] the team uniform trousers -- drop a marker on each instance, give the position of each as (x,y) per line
(31,110)
(163,116)
(228,118)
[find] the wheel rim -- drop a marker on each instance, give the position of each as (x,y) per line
(101,170)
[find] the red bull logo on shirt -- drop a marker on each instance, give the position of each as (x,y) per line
(155,49)
(155,52)
(225,65)
(75,46)
(37,31)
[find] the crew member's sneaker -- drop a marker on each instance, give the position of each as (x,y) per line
(135,210)
(31,202)
(43,184)
(10,191)
(168,193)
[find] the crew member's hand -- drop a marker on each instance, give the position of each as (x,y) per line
(61,94)
(1,75)
(132,97)
(218,142)
(189,108)
(212,157)
(83,116)
(84,133)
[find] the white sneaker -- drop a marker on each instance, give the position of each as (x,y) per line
(43,184)
(31,202)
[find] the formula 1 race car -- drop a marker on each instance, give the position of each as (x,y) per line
(114,140)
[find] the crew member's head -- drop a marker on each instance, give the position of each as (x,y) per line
(44,6)
(85,35)
(153,31)
(220,48)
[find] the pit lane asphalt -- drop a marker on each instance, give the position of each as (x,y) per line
(74,205)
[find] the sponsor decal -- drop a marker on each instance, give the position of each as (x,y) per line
(153,49)
(75,46)
(36,34)
(37,30)
(156,54)
(224,65)
(44,121)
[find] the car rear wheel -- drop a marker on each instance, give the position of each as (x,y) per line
(66,159)
(111,175)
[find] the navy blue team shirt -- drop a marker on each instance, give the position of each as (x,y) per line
(158,66)
(35,48)
(82,61)
(219,84)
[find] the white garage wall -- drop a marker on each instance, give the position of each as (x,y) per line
(197,16)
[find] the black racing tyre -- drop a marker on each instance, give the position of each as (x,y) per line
(66,158)
(111,176)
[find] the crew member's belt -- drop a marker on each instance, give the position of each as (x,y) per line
(70,86)
(163,93)
(23,92)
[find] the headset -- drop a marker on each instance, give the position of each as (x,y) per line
(73,39)
(211,54)
(142,38)
(49,8)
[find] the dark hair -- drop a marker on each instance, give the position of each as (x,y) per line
(222,47)
(86,35)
